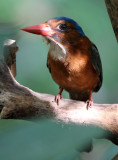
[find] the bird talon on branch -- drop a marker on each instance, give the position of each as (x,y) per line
(89,104)
(58,97)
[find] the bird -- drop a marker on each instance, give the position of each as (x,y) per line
(73,59)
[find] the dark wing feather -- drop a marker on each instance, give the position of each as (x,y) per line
(96,61)
(48,64)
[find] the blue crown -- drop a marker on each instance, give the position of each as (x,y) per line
(79,29)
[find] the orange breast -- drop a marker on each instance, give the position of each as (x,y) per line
(75,73)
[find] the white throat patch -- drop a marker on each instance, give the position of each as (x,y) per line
(57,50)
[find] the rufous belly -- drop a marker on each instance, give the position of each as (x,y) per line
(72,76)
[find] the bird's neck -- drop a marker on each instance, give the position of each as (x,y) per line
(57,51)
(60,52)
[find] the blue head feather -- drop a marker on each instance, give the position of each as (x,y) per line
(79,29)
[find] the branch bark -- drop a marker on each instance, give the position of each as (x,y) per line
(112,8)
(20,102)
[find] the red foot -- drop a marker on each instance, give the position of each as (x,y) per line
(57,98)
(89,104)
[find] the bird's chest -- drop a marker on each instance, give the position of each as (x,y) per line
(72,72)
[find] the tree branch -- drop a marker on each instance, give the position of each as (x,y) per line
(20,102)
(112,7)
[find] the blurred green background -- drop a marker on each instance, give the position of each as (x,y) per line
(47,139)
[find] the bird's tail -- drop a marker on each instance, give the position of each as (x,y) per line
(80,96)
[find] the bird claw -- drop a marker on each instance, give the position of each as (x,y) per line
(57,98)
(89,104)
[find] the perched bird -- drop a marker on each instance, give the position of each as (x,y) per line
(73,60)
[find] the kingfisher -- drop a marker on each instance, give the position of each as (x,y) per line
(73,60)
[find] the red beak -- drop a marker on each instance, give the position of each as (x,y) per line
(42,29)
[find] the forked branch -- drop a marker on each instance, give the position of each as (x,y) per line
(20,102)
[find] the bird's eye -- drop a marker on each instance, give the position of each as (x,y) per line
(63,27)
